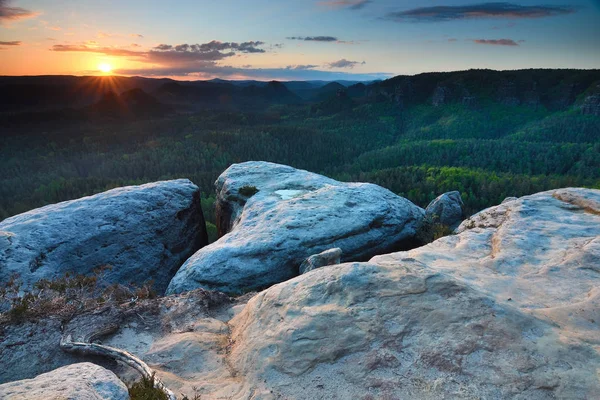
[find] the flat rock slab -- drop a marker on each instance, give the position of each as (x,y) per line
(144,232)
(276,216)
(83,381)
(540,253)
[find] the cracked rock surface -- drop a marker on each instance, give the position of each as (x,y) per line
(275,216)
(83,381)
(144,232)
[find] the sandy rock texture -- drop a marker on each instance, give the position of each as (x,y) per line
(144,232)
(507,308)
(276,216)
(83,381)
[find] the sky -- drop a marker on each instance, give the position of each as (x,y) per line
(293,39)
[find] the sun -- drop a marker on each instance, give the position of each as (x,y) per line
(105,68)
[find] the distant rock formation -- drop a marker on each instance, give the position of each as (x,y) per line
(143,232)
(591,105)
(276,216)
(83,381)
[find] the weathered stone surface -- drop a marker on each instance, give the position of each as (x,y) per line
(278,216)
(507,308)
(328,257)
(539,253)
(84,381)
(447,209)
(144,232)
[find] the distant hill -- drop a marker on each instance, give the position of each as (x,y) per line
(551,89)
(131,103)
(273,92)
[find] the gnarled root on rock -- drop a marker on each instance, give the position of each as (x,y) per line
(66,344)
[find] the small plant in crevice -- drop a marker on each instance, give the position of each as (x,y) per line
(248,191)
(430,230)
(196,396)
(65,296)
(144,390)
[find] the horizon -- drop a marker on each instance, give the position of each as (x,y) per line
(297,80)
(320,40)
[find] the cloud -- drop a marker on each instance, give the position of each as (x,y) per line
(343,63)
(477,11)
(215,45)
(348,4)
(315,38)
(84,48)
(183,56)
(300,67)
(14,13)
(497,42)
(13,43)
(136,35)
(452,40)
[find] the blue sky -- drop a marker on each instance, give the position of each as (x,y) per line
(294,39)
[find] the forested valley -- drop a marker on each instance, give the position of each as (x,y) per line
(418,140)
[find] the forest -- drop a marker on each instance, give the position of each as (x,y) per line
(505,145)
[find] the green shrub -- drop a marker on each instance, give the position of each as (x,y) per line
(144,390)
(248,191)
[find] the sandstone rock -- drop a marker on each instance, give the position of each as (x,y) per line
(31,347)
(539,253)
(277,216)
(84,381)
(144,232)
(328,257)
(507,308)
(447,209)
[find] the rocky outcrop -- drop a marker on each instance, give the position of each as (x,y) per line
(446,209)
(507,308)
(276,216)
(441,96)
(143,232)
(328,257)
(539,254)
(591,105)
(84,381)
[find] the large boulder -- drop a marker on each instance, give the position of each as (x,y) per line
(507,308)
(143,232)
(276,216)
(446,209)
(84,381)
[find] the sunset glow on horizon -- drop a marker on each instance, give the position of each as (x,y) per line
(105,68)
(295,40)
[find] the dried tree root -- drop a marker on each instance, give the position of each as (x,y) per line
(66,344)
